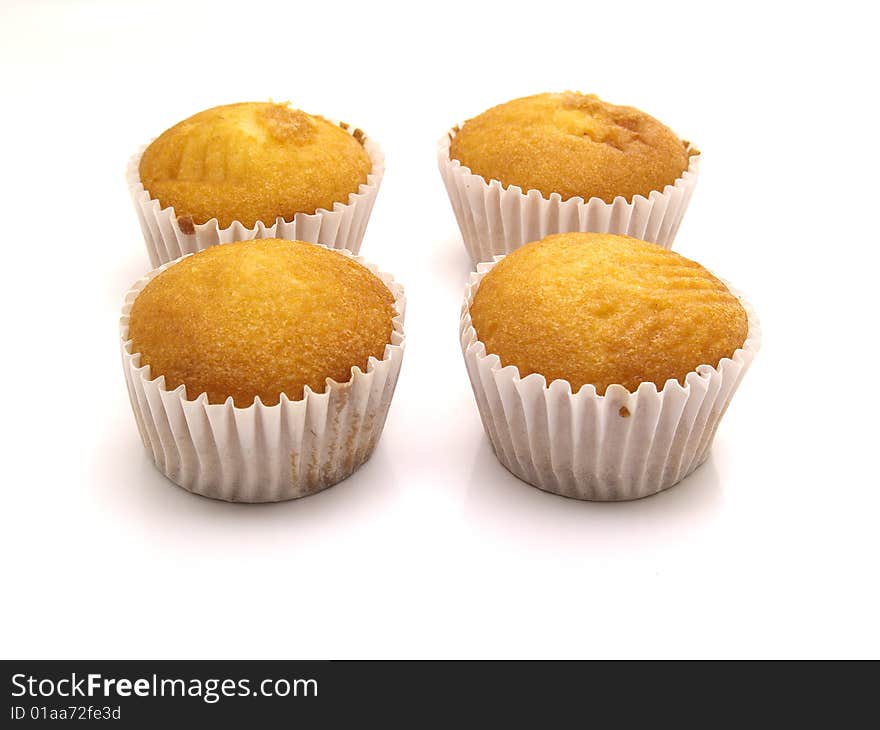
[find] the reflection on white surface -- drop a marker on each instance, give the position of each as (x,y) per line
(512,510)
(145,500)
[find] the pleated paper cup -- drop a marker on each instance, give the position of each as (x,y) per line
(168,237)
(617,446)
(495,220)
(263,453)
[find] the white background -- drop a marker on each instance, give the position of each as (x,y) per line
(433,549)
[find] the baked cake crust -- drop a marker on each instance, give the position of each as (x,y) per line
(599,309)
(572,144)
(253,161)
(261,318)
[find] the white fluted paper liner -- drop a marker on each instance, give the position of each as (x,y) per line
(496,220)
(263,453)
(617,446)
(342,228)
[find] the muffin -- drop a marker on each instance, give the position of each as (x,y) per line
(254,170)
(262,370)
(602,364)
(552,163)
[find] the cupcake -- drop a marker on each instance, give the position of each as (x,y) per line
(602,364)
(262,370)
(553,163)
(254,170)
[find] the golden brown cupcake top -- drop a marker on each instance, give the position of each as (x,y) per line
(261,318)
(252,162)
(573,144)
(602,309)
